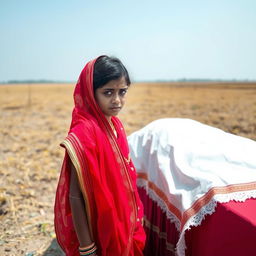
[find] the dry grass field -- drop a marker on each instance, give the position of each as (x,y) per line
(35,119)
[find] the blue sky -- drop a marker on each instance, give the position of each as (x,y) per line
(156,40)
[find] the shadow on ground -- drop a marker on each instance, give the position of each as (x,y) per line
(53,249)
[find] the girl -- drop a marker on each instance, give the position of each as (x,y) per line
(97,207)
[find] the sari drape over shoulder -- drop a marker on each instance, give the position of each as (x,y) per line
(106,176)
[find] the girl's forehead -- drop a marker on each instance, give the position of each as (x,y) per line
(116,84)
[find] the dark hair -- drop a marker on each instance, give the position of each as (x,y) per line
(107,69)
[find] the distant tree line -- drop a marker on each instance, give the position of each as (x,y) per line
(199,80)
(44,81)
(30,81)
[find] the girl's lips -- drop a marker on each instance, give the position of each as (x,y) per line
(115,108)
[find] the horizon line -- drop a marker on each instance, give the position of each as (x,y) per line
(43,81)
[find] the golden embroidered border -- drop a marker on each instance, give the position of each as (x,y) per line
(68,144)
(199,203)
(160,193)
(123,168)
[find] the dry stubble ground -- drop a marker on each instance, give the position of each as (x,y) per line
(33,126)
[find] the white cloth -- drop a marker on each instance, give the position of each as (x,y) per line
(195,166)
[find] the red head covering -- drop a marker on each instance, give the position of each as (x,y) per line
(107,183)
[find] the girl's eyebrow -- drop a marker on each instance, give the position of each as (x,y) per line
(112,89)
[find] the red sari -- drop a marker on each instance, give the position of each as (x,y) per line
(106,176)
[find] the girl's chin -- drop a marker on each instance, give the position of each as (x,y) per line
(114,112)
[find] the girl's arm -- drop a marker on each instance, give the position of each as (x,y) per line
(78,210)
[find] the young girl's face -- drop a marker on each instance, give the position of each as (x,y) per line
(111,97)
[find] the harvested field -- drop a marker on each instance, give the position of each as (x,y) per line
(35,119)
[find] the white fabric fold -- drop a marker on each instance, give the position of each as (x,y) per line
(194,166)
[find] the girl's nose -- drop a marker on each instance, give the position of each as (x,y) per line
(116,99)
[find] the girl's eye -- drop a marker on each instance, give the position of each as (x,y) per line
(107,93)
(123,92)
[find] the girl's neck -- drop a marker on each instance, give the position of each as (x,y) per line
(108,118)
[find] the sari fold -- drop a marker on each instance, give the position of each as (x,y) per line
(106,180)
